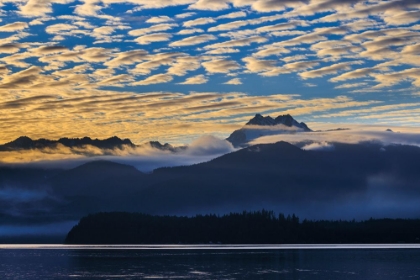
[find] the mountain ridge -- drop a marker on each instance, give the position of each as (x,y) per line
(114,142)
(261,126)
(281,176)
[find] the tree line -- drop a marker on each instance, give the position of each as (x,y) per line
(258,227)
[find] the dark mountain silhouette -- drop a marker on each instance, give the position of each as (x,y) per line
(286,120)
(96,179)
(164,147)
(99,185)
(261,126)
(26,143)
(349,181)
(110,143)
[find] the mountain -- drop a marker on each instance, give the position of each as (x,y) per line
(344,182)
(286,120)
(96,186)
(109,143)
(97,179)
(164,147)
(349,181)
(26,143)
(262,126)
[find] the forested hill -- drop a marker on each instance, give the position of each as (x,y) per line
(261,227)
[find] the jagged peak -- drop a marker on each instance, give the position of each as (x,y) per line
(24,142)
(157,144)
(261,120)
(114,138)
(285,119)
(23,138)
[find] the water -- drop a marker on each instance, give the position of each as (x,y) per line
(210,262)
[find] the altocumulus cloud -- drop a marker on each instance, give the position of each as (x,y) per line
(365,51)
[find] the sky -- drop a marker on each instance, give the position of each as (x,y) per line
(174,70)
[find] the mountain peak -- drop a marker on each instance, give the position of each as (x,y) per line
(22,141)
(262,126)
(286,120)
(260,120)
(26,143)
(160,146)
(165,147)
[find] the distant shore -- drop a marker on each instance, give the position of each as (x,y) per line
(260,227)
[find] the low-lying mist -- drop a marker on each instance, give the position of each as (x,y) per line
(145,157)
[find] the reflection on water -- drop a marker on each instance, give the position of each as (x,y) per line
(209,263)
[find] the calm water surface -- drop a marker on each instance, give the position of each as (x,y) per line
(206,262)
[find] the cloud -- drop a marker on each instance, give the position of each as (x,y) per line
(196,80)
(152,29)
(190,31)
(355,74)
(23,78)
(271,50)
(209,145)
(183,64)
(49,49)
(136,115)
(254,65)
(103,30)
(220,66)
(287,33)
(390,79)
(152,38)
(212,5)
(222,51)
(10,48)
(233,15)
(234,81)
(35,8)
(155,79)
(351,85)
(13,27)
(228,26)
(185,15)
(271,6)
(159,19)
(144,157)
(198,21)
(301,65)
(356,134)
(237,43)
(127,58)
(318,146)
(57,28)
(270,41)
(412,49)
(385,109)
(329,70)
(154,61)
(21,195)
(277,27)
(193,40)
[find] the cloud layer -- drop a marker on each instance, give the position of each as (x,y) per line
(112,67)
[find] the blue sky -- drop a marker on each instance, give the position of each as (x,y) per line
(172,70)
